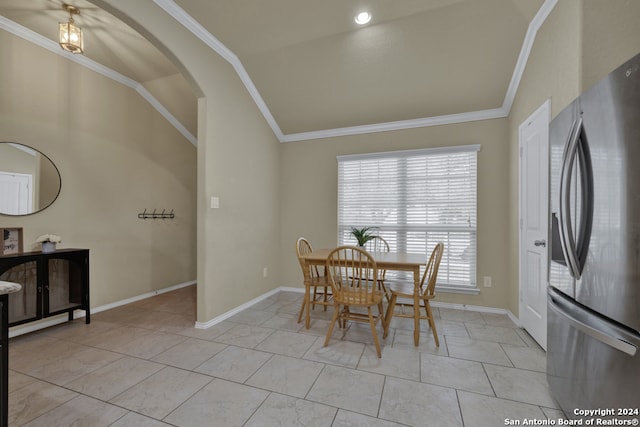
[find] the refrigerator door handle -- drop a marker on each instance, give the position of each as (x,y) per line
(604,338)
(567,241)
(586,199)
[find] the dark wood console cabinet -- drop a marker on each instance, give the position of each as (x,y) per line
(52,283)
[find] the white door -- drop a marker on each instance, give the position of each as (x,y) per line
(534,206)
(15,193)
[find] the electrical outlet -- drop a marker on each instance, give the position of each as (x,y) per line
(487,281)
(265,272)
(215,202)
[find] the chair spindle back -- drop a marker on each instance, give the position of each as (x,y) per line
(430,275)
(353,274)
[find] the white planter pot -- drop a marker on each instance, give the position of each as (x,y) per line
(48,247)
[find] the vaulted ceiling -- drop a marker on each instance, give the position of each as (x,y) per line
(313,67)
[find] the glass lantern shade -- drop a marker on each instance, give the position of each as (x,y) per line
(71,37)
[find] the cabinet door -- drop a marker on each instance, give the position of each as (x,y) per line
(25,305)
(4,360)
(64,283)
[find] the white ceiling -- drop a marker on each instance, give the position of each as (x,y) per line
(313,67)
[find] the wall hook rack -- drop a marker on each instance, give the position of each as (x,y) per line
(156,215)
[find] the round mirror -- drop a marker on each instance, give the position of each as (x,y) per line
(29,181)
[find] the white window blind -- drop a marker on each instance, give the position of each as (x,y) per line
(415,199)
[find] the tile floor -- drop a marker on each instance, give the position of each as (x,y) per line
(145,364)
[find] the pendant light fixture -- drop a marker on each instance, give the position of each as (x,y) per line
(70,34)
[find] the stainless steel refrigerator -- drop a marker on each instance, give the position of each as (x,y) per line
(593,331)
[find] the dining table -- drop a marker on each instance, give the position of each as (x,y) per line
(397,261)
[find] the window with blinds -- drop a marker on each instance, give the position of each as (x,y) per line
(415,199)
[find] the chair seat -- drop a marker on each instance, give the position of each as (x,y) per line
(358,298)
(321,296)
(320,281)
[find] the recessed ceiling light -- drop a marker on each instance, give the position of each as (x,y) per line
(363,18)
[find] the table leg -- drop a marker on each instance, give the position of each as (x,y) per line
(307,297)
(416,307)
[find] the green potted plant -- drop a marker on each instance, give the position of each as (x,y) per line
(363,235)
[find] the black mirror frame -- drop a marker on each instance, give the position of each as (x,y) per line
(59,180)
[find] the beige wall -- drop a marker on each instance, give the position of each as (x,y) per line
(610,36)
(551,73)
(117,156)
(168,90)
(580,42)
(259,181)
(309,195)
(270,193)
(238,161)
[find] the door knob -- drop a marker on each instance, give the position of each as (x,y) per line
(540,243)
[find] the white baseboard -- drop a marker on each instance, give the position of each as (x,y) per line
(141,297)
(290,289)
(15,331)
(477,308)
(55,320)
(77,314)
(238,309)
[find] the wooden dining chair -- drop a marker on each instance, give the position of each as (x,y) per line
(317,284)
(353,276)
(379,244)
(426,292)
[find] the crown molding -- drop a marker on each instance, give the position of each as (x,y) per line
(187,21)
(176,12)
(525,51)
(472,116)
(170,7)
(52,46)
